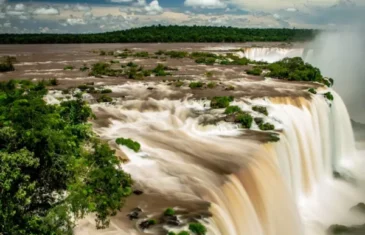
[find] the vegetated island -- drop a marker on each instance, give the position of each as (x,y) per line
(172,33)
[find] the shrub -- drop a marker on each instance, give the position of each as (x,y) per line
(312,90)
(143,54)
(102,53)
(230,88)
(203,54)
(266,127)
(177,54)
(131,64)
(255,71)
(197,228)
(100,68)
(104,99)
(159,70)
(207,61)
(160,52)
(7,64)
(211,85)
(245,119)
(84,68)
(114,62)
(53,82)
(260,109)
(169,212)
(68,67)
(274,138)
(183,233)
(194,85)
(220,102)
(106,91)
(152,222)
(259,121)
(171,233)
(83,87)
(329,96)
(135,146)
(232,109)
(331,81)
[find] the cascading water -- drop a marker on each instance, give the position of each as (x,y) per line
(253,188)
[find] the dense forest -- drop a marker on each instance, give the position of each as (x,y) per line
(168,34)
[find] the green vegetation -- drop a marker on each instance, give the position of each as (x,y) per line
(245,119)
(169,212)
(211,85)
(6,65)
(106,91)
(131,64)
(176,54)
(205,60)
(194,85)
(255,71)
(104,99)
(232,109)
(99,69)
(260,109)
(180,233)
(266,127)
(84,68)
(328,96)
(346,230)
(160,70)
(259,121)
(231,59)
(312,90)
(171,33)
(53,168)
(230,88)
(294,69)
(197,228)
(143,54)
(209,74)
(135,146)
(274,138)
(220,102)
(53,82)
(68,67)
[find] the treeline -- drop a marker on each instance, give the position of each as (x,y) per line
(168,34)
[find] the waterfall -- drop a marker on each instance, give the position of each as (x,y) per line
(270,54)
(253,188)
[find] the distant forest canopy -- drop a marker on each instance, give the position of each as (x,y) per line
(168,34)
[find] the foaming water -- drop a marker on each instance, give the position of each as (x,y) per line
(271,54)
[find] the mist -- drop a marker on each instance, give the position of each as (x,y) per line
(341,55)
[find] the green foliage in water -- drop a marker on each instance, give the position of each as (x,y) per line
(68,67)
(104,99)
(177,54)
(255,71)
(179,83)
(211,85)
(106,91)
(53,169)
(220,102)
(295,69)
(99,69)
(312,90)
(232,109)
(194,85)
(135,146)
(260,109)
(143,54)
(197,228)
(328,96)
(266,126)
(159,70)
(169,212)
(6,65)
(245,119)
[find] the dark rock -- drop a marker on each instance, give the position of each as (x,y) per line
(359,207)
(150,88)
(147,224)
(171,220)
(134,214)
(138,192)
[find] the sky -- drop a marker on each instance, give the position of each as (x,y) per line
(92,16)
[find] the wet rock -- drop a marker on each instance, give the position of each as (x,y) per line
(171,220)
(150,88)
(359,207)
(138,192)
(147,224)
(134,214)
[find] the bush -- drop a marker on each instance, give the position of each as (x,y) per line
(312,90)
(274,138)
(183,233)
(100,68)
(220,102)
(135,146)
(169,212)
(104,99)
(68,67)
(102,53)
(171,233)
(329,96)
(232,109)
(255,71)
(259,121)
(197,228)
(266,127)
(159,70)
(53,82)
(114,62)
(260,109)
(177,54)
(209,74)
(194,85)
(160,52)
(143,54)
(211,85)
(131,64)
(106,91)
(83,87)
(245,119)
(207,61)
(7,64)
(230,88)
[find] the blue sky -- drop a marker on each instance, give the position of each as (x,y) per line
(83,16)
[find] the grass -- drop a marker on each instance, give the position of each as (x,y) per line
(135,146)
(194,85)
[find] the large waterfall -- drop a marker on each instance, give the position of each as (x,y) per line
(253,187)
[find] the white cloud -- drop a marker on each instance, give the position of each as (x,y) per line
(2,2)
(19,7)
(75,21)
(154,8)
(46,11)
(79,7)
(205,3)
(121,1)
(291,9)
